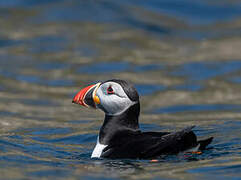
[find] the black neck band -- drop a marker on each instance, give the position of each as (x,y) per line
(128,120)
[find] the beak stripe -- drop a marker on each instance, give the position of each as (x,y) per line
(96,98)
(80,96)
(85,95)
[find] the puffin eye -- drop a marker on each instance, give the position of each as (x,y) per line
(110,90)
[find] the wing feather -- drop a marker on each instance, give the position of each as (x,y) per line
(129,144)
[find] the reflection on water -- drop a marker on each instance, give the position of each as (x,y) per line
(203,71)
(199,108)
(183,57)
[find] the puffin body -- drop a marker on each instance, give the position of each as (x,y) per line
(120,136)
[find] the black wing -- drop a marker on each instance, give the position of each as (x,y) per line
(145,145)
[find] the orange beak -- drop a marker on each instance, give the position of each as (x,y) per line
(87,96)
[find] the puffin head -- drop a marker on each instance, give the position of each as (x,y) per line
(113,97)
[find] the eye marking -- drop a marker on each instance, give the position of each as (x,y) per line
(110,90)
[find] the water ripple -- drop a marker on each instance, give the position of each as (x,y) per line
(205,70)
(199,108)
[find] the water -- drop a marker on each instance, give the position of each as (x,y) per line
(183,57)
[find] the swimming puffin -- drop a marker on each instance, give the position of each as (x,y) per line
(120,136)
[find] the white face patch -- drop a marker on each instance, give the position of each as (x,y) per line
(113,103)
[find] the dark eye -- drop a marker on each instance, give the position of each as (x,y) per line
(110,90)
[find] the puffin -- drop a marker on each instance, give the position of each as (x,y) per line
(120,136)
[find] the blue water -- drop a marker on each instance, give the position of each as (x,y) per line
(182,56)
(203,71)
(199,107)
(113,67)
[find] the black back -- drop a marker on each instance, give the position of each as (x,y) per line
(146,145)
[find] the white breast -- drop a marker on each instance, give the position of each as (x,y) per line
(98,149)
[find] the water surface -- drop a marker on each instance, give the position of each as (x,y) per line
(183,57)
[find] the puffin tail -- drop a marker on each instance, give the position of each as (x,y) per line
(204,143)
